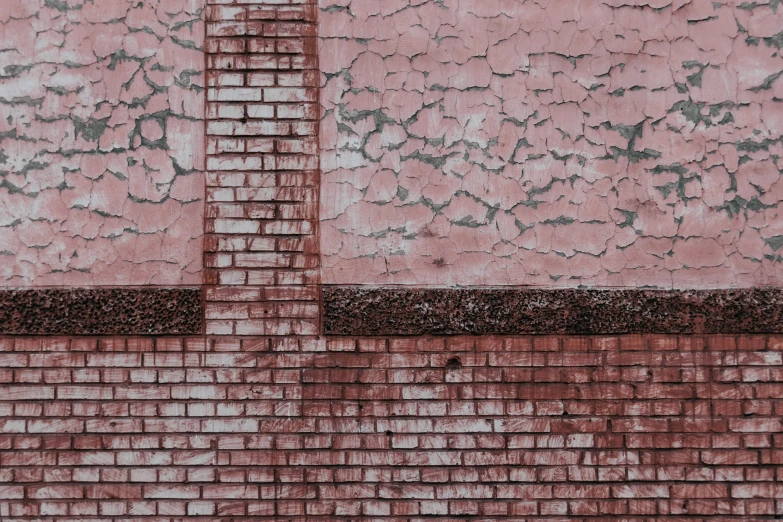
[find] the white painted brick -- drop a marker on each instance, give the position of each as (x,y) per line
(235,163)
(287,94)
(260,111)
(236,226)
(262,260)
(234,94)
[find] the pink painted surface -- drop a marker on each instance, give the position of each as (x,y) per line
(552,142)
(101,142)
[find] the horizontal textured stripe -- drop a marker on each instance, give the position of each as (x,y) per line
(101,311)
(353,310)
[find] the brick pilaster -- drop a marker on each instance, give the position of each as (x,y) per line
(261,251)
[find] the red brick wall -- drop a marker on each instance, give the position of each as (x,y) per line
(391,429)
(262,159)
(290,427)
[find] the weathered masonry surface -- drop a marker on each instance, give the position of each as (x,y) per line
(101,142)
(262,180)
(126,310)
(401,310)
(552,143)
(265,396)
(396,429)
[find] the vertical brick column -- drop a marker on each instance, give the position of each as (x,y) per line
(261,251)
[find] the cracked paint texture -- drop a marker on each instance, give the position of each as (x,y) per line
(552,142)
(101,142)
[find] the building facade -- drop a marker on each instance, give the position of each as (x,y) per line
(391,260)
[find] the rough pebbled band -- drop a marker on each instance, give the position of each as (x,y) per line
(101,311)
(351,310)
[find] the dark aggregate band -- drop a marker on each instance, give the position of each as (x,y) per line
(101,311)
(360,311)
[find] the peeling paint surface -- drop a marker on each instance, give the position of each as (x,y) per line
(101,142)
(554,143)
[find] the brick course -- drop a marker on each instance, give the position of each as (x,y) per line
(478,428)
(262,159)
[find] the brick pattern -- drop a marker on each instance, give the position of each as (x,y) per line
(262,159)
(391,429)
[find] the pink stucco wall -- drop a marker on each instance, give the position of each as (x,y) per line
(101,142)
(552,142)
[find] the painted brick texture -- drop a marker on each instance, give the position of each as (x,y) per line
(262,420)
(397,429)
(262,179)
